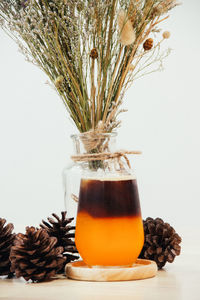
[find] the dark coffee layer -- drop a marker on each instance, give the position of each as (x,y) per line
(109,198)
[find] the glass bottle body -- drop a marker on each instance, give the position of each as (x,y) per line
(109,227)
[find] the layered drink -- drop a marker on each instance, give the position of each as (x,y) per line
(109,228)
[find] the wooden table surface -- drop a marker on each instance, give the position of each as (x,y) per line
(180,280)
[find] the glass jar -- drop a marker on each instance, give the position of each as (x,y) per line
(109,227)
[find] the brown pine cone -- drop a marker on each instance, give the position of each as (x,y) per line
(6,242)
(34,255)
(148,44)
(60,228)
(161,242)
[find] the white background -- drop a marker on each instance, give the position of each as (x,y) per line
(162,121)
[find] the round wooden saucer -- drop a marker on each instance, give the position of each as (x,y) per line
(142,269)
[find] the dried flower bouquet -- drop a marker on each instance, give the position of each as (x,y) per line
(91,50)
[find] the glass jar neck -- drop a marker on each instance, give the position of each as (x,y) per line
(93,152)
(92,142)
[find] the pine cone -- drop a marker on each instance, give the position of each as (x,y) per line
(64,233)
(161,242)
(6,242)
(34,255)
(148,44)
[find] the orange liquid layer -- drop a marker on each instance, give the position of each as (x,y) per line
(114,241)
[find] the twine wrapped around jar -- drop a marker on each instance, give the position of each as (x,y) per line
(105,156)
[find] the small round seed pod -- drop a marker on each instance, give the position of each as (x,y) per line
(166,35)
(148,44)
(94,53)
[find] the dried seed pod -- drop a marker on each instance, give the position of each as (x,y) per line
(166,35)
(148,44)
(94,53)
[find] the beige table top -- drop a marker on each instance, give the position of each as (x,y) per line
(180,280)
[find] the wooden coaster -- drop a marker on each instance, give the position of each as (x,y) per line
(142,269)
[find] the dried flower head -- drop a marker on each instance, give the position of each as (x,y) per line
(59,81)
(148,44)
(166,35)
(127,33)
(80,6)
(164,6)
(131,68)
(24,3)
(2,22)
(94,53)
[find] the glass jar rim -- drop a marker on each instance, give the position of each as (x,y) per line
(98,134)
